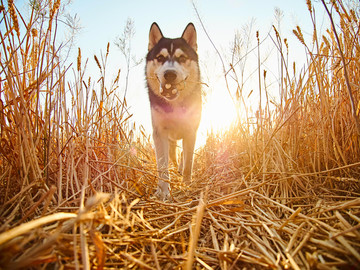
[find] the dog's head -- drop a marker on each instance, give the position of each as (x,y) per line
(172,64)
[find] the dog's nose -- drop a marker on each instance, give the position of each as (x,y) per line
(170,76)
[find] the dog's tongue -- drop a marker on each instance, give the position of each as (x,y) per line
(168,86)
(168,90)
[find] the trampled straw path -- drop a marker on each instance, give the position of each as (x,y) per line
(239,229)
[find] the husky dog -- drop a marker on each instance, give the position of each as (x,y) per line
(173,80)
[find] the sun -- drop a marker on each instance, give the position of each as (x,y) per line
(217,115)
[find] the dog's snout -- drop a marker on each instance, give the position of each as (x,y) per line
(170,76)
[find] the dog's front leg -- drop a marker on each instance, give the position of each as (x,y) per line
(162,160)
(188,152)
(173,152)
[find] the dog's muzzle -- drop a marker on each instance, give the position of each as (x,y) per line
(168,87)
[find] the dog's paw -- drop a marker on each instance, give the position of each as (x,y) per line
(187,179)
(163,191)
(162,195)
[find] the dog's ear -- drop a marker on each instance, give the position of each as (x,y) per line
(154,36)
(189,35)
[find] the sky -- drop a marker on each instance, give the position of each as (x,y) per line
(104,21)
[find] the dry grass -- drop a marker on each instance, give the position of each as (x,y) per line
(279,191)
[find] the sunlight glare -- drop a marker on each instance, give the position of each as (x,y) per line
(217,115)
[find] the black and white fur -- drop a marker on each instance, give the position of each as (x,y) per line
(173,80)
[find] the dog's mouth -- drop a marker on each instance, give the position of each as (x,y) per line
(169,91)
(170,87)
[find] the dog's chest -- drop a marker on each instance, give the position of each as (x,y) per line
(176,122)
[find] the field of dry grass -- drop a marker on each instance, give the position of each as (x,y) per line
(76,179)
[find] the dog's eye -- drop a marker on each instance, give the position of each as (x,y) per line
(182,59)
(160,58)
